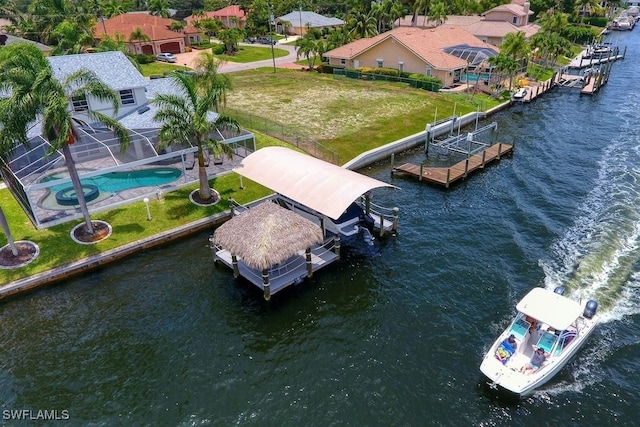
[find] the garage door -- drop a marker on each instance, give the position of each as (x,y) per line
(173,47)
(147,49)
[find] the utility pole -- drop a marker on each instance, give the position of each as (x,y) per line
(300,16)
(273,54)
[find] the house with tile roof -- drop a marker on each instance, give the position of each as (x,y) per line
(231,16)
(297,22)
(162,38)
(491,26)
(441,52)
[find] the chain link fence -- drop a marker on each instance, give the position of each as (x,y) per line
(284,133)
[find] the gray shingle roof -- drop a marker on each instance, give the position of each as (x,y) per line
(301,18)
(143,117)
(113,68)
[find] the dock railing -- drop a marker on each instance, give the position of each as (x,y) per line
(385,219)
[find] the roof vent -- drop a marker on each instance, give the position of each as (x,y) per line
(143,109)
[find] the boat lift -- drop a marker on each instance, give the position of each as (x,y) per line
(465,144)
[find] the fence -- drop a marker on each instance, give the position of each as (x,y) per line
(415,83)
(285,133)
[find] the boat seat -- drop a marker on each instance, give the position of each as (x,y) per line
(546,341)
(520,329)
(504,352)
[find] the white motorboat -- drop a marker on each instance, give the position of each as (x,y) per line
(520,94)
(545,319)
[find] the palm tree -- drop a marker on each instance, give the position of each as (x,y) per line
(36,94)
(515,45)
(70,38)
(587,6)
(140,36)
(438,12)
(159,8)
(7,232)
(362,25)
(187,119)
(309,47)
(111,8)
(207,65)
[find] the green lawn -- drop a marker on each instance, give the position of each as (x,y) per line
(159,68)
(348,116)
(254,53)
(128,222)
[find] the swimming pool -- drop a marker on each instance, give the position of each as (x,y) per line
(473,77)
(113,182)
(103,186)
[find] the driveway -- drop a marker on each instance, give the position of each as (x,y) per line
(188,60)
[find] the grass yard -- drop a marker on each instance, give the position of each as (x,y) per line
(128,222)
(158,68)
(254,53)
(348,116)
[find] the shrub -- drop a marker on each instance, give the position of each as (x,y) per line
(142,58)
(596,21)
(578,34)
(327,68)
(386,71)
(218,49)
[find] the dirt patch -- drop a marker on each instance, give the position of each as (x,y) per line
(101,231)
(215,197)
(26,252)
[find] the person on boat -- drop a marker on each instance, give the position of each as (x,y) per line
(512,341)
(538,358)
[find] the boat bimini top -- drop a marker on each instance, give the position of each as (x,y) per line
(551,308)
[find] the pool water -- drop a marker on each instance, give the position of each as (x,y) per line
(113,182)
(475,77)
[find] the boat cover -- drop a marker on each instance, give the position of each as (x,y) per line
(319,185)
(553,309)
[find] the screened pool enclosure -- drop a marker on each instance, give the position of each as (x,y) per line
(38,177)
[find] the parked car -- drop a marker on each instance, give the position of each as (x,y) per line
(266,40)
(250,39)
(166,57)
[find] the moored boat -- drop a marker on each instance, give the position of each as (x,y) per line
(545,320)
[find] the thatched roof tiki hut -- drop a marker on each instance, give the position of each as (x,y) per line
(269,241)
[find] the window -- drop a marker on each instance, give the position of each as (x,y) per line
(126,97)
(514,20)
(401,67)
(343,61)
(80,103)
(380,63)
(428,71)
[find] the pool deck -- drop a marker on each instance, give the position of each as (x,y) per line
(46,213)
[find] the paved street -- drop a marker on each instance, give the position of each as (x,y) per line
(288,61)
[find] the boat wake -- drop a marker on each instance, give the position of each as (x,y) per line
(599,256)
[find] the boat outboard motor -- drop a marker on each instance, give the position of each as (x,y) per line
(590,309)
(368,222)
(559,290)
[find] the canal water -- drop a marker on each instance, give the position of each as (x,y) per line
(393,334)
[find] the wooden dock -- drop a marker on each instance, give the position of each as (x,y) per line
(445,176)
